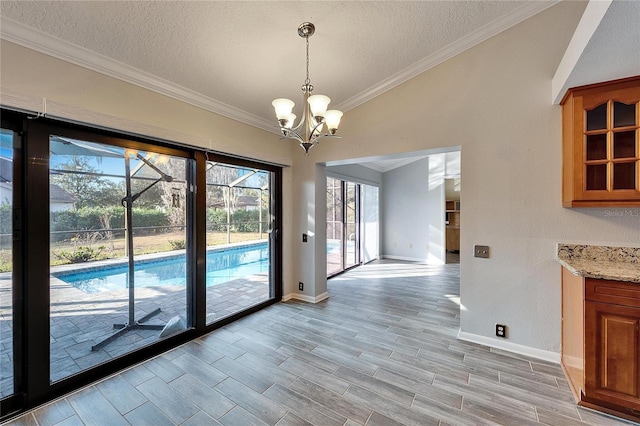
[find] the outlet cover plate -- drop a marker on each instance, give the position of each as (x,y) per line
(481,251)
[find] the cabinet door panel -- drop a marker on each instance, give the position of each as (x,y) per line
(613,347)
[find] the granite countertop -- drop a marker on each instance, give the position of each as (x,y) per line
(602,262)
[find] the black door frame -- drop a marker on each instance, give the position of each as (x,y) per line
(31,269)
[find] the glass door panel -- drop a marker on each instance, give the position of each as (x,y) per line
(238,224)
(335,226)
(6,263)
(370,223)
(352,228)
(118,269)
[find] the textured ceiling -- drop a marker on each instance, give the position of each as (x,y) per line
(242,55)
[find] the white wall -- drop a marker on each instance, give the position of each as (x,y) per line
(493,101)
(412,205)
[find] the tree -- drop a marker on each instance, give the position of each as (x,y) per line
(81,179)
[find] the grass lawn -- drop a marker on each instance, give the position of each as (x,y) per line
(143,244)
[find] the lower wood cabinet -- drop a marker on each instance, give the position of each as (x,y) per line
(453,238)
(605,374)
(612,356)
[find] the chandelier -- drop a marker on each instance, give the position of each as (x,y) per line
(315,115)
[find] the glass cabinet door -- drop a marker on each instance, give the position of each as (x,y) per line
(611,152)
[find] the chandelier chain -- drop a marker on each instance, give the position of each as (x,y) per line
(307,81)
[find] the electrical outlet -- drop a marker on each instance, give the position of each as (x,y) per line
(301,286)
(501,330)
(481,251)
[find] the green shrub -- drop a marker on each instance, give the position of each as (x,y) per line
(178,244)
(80,254)
(241,220)
(65,224)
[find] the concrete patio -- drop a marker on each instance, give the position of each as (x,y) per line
(80,320)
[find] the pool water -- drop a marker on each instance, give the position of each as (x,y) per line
(222,266)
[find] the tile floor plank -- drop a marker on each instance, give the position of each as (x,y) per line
(53,413)
(204,372)
(148,415)
(177,407)
(239,416)
(304,407)
(315,375)
(93,408)
(244,375)
(293,420)
(389,408)
(253,402)
(203,396)
(336,402)
(201,419)
(121,394)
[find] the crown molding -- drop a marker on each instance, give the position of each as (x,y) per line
(39,41)
(503,23)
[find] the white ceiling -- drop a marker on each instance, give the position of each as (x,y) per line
(234,57)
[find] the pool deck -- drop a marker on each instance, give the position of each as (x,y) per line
(80,320)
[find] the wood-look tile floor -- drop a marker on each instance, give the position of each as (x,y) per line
(382,350)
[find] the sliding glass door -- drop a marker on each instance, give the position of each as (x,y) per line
(8,282)
(120,248)
(118,233)
(352,224)
(239,225)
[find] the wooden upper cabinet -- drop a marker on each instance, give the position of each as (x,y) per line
(601,145)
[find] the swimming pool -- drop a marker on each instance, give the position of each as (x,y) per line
(222,265)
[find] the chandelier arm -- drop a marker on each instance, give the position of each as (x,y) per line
(299,126)
(324,135)
(292,134)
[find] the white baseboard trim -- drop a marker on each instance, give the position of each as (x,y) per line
(510,347)
(407,259)
(304,298)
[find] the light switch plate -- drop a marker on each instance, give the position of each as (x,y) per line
(481,251)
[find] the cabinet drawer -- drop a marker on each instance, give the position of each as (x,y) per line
(615,292)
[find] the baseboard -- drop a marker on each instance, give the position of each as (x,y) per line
(304,298)
(511,347)
(407,259)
